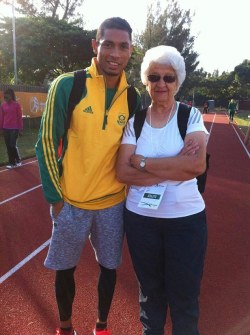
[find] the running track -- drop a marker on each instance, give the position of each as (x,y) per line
(27,305)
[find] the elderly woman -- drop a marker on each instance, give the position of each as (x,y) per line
(165,220)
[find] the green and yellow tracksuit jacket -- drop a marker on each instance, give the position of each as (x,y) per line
(85,176)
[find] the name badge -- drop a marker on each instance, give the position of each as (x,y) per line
(152,196)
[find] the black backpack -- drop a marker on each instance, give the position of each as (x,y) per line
(79,84)
(182,120)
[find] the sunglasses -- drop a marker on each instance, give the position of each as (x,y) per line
(153,78)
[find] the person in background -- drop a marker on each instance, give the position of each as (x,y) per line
(232,107)
(11,122)
(165,219)
(86,198)
(205,107)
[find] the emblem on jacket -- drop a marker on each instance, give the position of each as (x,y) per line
(121,120)
(88,110)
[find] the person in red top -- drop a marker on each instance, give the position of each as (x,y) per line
(12,124)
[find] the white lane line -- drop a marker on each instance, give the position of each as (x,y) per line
(23,262)
(20,194)
(211,128)
(242,143)
(23,164)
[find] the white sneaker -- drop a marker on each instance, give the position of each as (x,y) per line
(19,164)
(10,166)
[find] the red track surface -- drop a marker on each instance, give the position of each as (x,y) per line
(27,305)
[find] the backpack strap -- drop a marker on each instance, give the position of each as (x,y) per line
(77,90)
(74,98)
(76,93)
(139,121)
(182,118)
(132,96)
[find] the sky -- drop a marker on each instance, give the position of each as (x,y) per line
(221,27)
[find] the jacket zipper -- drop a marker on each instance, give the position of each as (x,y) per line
(105,119)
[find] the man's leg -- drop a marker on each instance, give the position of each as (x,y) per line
(65,293)
(106,288)
(107,234)
(71,229)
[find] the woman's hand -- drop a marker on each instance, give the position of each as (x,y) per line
(190,148)
(135,161)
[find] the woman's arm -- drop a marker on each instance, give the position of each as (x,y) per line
(185,166)
(130,175)
(128,168)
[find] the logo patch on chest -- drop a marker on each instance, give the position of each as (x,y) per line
(88,110)
(121,120)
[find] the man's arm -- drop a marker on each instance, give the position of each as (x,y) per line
(50,133)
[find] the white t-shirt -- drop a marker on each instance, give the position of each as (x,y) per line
(181,198)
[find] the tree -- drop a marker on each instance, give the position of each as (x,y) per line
(46,47)
(170,26)
(57,9)
(243,72)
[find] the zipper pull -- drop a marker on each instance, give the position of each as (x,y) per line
(105,121)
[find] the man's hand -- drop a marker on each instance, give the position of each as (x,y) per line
(57,207)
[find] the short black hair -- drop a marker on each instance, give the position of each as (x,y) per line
(113,23)
(10,92)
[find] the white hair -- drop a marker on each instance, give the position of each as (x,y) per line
(164,55)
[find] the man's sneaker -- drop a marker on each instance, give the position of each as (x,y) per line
(18,164)
(10,166)
(101,332)
(59,331)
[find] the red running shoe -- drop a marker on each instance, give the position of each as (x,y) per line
(101,332)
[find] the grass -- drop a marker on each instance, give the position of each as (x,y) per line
(26,145)
(242,120)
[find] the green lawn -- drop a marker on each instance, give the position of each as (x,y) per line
(242,120)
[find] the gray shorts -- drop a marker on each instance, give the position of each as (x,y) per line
(73,226)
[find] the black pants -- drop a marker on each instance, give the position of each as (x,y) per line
(168,258)
(231,115)
(10,138)
(65,292)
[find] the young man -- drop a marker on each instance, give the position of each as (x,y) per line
(86,199)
